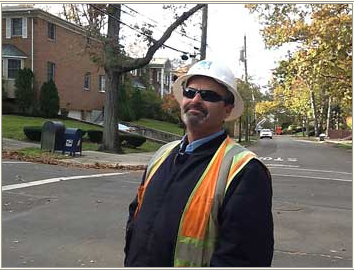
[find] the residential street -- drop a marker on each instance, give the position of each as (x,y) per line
(76,217)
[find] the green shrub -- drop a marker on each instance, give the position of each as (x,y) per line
(33,133)
(132,139)
(9,107)
(49,100)
(95,136)
(137,103)
(152,104)
(24,90)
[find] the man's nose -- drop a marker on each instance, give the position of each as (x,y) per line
(197,98)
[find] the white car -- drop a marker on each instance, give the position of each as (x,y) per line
(122,127)
(265,133)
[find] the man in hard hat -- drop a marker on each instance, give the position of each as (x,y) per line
(204,200)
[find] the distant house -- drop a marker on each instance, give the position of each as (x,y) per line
(158,74)
(53,49)
(161,75)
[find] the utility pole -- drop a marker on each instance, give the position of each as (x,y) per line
(243,58)
(204,33)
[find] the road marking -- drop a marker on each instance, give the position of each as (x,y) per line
(282,165)
(280,159)
(313,177)
(57,179)
(308,170)
(14,162)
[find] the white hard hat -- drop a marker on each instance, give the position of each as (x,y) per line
(218,72)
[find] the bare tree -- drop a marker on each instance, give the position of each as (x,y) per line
(116,63)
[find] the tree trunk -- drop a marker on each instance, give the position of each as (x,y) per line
(328,115)
(239,129)
(314,111)
(110,130)
(303,121)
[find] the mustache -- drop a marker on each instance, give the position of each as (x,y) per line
(195,107)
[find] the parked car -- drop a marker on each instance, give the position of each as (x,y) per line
(125,128)
(122,127)
(265,133)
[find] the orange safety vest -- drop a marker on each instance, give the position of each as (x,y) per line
(197,233)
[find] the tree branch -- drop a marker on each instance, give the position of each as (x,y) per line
(132,64)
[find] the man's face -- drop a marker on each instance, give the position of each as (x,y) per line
(204,115)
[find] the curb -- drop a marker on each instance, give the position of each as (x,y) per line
(69,163)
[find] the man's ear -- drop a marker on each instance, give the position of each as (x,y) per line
(229,108)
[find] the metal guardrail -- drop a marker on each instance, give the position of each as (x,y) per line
(149,133)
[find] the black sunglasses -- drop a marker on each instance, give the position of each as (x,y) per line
(206,95)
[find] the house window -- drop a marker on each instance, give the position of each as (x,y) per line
(50,71)
(13,66)
(16,27)
(51,30)
(101,83)
(87,81)
(158,76)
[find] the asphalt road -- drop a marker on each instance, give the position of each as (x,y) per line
(76,217)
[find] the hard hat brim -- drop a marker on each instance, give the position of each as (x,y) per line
(238,103)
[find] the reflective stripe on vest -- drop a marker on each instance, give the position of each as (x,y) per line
(198,227)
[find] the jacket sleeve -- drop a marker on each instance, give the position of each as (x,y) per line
(246,237)
(129,226)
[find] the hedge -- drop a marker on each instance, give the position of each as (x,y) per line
(128,139)
(33,133)
(95,136)
(132,139)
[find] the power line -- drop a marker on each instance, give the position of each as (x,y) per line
(156,28)
(156,23)
(127,25)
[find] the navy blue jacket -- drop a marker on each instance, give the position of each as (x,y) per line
(245,218)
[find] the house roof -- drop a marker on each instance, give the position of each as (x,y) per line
(9,11)
(9,50)
(160,62)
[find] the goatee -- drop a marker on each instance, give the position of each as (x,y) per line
(194,119)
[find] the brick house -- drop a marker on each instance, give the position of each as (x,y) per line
(53,49)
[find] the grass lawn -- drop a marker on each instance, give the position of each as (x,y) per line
(345,145)
(164,126)
(12,127)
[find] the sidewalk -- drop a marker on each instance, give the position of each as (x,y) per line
(89,158)
(316,140)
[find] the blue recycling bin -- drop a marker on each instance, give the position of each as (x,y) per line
(73,141)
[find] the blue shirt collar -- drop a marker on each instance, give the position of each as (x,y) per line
(194,145)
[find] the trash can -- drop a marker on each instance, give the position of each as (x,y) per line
(322,136)
(73,141)
(52,137)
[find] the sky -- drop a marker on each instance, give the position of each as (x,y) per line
(227,26)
